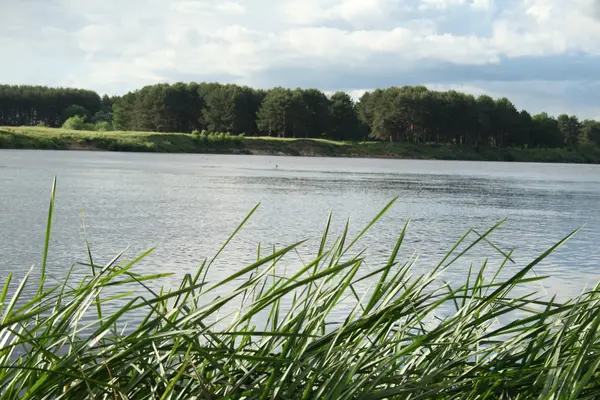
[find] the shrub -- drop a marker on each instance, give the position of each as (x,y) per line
(216,138)
(76,123)
(103,126)
(200,136)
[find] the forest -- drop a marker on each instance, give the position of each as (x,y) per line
(411,114)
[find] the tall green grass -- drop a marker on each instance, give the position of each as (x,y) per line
(409,337)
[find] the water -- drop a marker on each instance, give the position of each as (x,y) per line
(187,205)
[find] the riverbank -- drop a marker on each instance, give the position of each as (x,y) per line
(62,139)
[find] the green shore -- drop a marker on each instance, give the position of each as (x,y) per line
(62,139)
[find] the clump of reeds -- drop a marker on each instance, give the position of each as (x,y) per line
(393,343)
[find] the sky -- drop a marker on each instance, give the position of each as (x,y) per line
(544,55)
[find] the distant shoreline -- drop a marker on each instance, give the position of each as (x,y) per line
(35,138)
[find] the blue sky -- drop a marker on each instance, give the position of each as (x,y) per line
(542,54)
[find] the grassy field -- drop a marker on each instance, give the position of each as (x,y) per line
(61,139)
(409,337)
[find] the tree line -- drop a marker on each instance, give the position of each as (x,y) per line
(405,114)
(32,105)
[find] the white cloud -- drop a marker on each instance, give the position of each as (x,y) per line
(481,4)
(202,7)
(510,42)
(445,4)
(115,45)
(571,23)
(307,12)
(440,4)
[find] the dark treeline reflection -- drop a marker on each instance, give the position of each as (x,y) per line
(409,114)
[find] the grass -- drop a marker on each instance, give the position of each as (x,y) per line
(281,340)
(62,139)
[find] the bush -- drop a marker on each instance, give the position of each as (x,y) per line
(76,123)
(103,127)
(216,138)
(41,124)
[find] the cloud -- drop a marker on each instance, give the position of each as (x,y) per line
(445,4)
(202,7)
(400,44)
(114,46)
(595,9)
(355,12)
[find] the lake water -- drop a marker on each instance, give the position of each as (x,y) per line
(187,205)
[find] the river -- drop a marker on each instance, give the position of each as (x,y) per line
(187,205)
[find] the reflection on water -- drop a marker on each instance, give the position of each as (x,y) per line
(187,205)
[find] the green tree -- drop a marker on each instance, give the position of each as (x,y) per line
(545,132)
(102,116)
(390,118)
(107,103)
(506,122)
(410,113)
(31,105)
(231,108)
(591,131)
(298,115)
(316,113)
(275,114)
(74,110)
(570,128)
(344,123)
(485,119)
(365,108)
(523,138)
(420,114)
(451,117)
(123,112)
(220,112)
